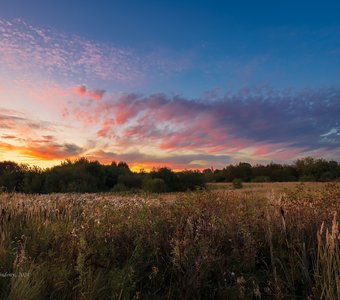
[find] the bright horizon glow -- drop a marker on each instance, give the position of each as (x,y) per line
(182,85)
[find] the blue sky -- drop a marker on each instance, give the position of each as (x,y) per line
(196,51)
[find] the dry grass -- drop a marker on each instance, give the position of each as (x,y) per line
(278,187)
(266,241)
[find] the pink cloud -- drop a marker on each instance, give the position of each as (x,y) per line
(277,151)
(106,129)
(82,91)
(96,94)
(65,112)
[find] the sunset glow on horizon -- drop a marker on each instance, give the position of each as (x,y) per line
(235,90)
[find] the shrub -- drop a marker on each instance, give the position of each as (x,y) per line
(156,185)
(307,178)
(170,178)
(130,181)
(327,176)
(261,179)
(237,183)
(34,182)
(191,180)
(119,187)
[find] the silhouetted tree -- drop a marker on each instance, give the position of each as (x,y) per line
(11,176)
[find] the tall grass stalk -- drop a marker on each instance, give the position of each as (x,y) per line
(327,273)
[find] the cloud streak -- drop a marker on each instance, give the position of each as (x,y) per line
(179,161)
(43,150)
(19,123)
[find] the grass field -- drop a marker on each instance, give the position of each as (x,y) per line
(264,241)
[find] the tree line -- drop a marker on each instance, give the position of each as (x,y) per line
(86,176)
(83,175)
(304,169)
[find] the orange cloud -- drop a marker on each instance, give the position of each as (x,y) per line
(44,149)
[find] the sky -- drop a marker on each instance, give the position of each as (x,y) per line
(183,84)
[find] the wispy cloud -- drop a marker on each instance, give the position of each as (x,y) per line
(26,48)
(17,122)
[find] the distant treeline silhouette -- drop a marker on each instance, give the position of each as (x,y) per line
(304,169)
(83,175)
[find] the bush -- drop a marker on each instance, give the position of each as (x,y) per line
(11,176)
(237,183)
(119,187)
(131,181)
(156,185)
(307,178)
(170,178)
(327,176)
(34,182)
(261,179)
(191,180)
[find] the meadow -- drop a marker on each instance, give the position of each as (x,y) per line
(264,241)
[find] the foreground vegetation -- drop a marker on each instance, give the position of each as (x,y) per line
(280,243)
